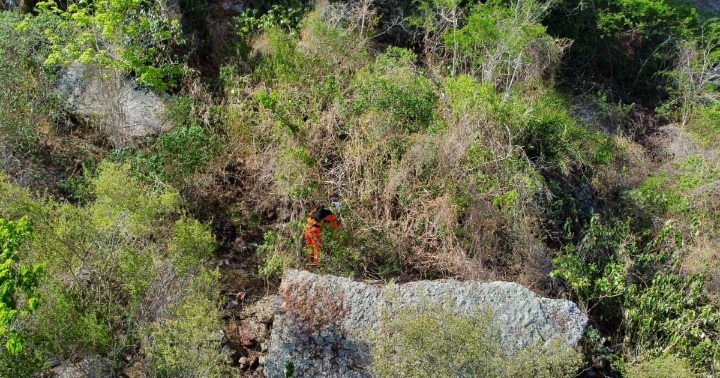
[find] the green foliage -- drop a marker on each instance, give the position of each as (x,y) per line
(673,314)
(624,45)
(668,366)
(192,245)
(499,41)
(176,155)
(429,341)
(645,17)
(550,135)
(286,64)
(677,193)
(185,345)
(705,124)
(394,85)
(273,260)
(18,283)
(31,102)
(638,288)
(694,94)
(467,95)
(272,102)
(134,36)
(340,252)
(595,267)
(285,16)
(116,269)
(121,198)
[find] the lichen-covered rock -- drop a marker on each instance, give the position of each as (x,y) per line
(322,323)
(87,368)
(112,102)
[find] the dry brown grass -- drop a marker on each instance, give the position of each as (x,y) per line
(400,190)
(630,168)
(703,257)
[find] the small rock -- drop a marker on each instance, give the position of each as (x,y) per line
(263,347)
(247,337)
(243,362)
(261,360)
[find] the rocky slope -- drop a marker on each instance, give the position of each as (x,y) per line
(322,323)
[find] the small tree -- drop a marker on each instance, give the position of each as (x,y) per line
(505,43)
(696,78)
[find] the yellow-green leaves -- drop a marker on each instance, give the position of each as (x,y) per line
(135,37)
(123,200)
(16,282)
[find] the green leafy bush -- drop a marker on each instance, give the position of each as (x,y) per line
(662,367)
(31,104)
(673,314)
(393,85)
(633,285)
(550,135)
(136,37)
(500,42)
(119,271)
(623,45)
(185,344)
(19,282)
(177,154)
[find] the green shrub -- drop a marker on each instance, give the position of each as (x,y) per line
(705,124)
(673,314)
(275,254)
(624,45)
(393,85)
(136,37)
(122,199)
(19,283)
(191,245)
(116,268)
(185,344)
(500,42)
(31,103)
(175,156)
(668,366)
(633,285)
(550,136)
(283,63)
(285,16)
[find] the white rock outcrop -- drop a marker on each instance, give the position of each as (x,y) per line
(113,103)
(322,322)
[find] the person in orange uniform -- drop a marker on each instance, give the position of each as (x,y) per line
(317,219)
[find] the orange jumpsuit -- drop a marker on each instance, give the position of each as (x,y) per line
(316,221)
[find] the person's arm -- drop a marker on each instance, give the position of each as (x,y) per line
(332,220)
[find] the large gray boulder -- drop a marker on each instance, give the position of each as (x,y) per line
(322,323)
(113,103)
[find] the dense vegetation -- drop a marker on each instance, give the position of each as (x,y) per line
(568,145)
